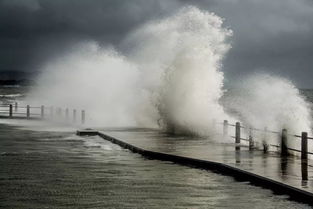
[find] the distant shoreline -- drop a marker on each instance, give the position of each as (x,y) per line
(20,82)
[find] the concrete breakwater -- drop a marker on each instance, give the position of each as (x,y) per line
(279,187)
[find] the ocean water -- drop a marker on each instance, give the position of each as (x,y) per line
(12,93)
(57,169)
(48,169)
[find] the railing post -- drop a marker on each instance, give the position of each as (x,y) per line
(225,128)
(74,115)
(304,170)
(284,148)
(11,110)
(51,112)
(237,135)
(265,145)
(42,112)
(59,112)
(83,116)
(214,125)
(304,145)
(66,114)
(251,143)
(15,106)
(27,111)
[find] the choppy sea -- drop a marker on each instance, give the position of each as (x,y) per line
(56,169)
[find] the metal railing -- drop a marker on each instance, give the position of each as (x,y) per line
(41,112)
(283,139)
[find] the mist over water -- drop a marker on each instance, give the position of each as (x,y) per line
(170,77)
(101,81)
(270,102)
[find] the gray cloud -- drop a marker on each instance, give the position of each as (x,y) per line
(274,36)
(32,31)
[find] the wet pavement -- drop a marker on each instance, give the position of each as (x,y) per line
(57,169)
(288,170)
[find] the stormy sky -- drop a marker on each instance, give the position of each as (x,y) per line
(274,36)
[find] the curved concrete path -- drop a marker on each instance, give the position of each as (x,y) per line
(282,175)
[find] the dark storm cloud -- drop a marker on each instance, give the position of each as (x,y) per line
(33,30)
(274,36)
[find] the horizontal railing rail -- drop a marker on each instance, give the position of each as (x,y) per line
(41,112)
(283,137)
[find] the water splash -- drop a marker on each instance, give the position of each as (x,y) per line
(170,76)
(101,81)
(270,102)
(180,58)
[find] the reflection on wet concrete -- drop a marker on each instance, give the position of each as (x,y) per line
(284,167)
(289,170)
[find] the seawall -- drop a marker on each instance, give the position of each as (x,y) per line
(239,174)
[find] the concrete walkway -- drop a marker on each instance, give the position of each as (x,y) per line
(290,170)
